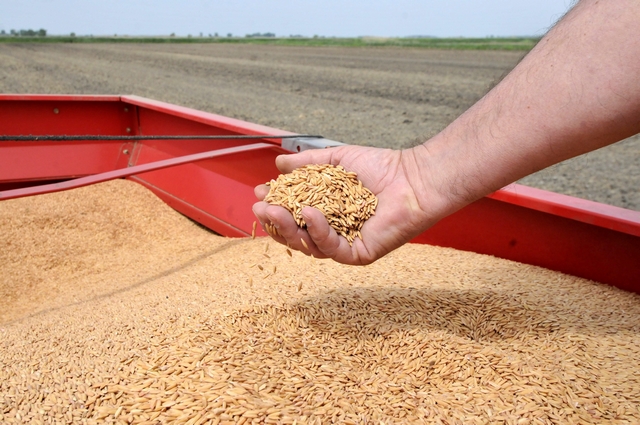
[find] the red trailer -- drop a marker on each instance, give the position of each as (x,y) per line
(206,166)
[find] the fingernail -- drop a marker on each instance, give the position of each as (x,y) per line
(306,219)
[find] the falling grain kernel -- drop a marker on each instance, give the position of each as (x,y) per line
(253,230)
(289,252)
(304,244)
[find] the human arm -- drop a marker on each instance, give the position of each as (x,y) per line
(576,91)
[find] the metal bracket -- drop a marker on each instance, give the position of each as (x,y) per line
(302,144)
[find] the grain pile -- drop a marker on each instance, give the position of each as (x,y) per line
(337,193)
(126,312)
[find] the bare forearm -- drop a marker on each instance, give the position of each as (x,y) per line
(576,91)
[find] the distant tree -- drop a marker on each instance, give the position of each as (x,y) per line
(42,32)
(201,35)
(73,34)
(13,32)
(215,35)
(189,36)
(2,32)
(173,34)
(229,35)
(257,34)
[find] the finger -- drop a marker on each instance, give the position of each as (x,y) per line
(324,237)
(281,226)
(260,211)
(288,163)
(261,191)
(287,228)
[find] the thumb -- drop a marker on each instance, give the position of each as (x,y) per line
(288,163)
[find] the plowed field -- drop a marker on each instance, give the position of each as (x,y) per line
(389,97)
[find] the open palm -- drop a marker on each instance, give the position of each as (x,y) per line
(398,218)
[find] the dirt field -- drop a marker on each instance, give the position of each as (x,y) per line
(376,96)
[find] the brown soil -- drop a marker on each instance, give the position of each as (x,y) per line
(388,97)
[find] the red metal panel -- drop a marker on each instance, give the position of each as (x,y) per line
(208,188)
(58,115)
(62,115)
(194,116)
(125,172)
(580,237)
(156,123)
(602,215)
(518,233)
(201,216)
(36,161)
(219,192)
(62,97)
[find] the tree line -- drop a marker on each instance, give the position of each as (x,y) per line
(26,33)
(43,33)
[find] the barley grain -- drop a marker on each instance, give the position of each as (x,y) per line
(154,325)
(338,194)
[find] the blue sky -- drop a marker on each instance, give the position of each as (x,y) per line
(340,18)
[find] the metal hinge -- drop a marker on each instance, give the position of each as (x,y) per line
(302,144)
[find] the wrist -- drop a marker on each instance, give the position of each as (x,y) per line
(456,168)
(436,179)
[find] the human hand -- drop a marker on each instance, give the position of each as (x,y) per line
(393,176)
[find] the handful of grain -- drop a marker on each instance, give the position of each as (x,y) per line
(337,193)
